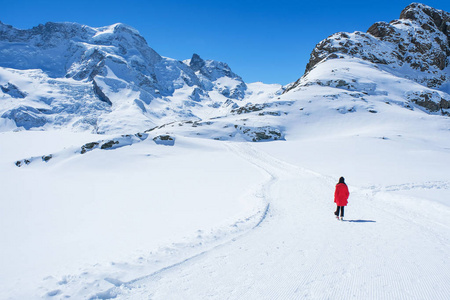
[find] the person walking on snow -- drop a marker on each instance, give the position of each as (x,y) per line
(340,197)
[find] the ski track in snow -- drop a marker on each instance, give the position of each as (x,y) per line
(382,249)
(119,286)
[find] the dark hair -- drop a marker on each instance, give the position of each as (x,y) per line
(342,180)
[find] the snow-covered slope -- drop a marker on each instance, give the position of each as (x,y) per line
(209,219)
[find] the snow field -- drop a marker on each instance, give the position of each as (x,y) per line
(383,249)
(161,222)
(393,244)
(79,219)
(190,221)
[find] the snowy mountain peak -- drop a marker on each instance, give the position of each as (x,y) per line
(120,27)
(426,14)
(58,48)
(109,80)
(211,69)
(418,39)
(196,63)
(415,47)
(101,78)
(228,83)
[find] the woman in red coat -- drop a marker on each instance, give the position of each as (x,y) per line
(340,197)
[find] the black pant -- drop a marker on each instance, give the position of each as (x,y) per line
(340,208)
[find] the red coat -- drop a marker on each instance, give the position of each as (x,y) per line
(341,194)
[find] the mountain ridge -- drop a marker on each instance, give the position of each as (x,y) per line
(408,46)
(119,69)
(415,47)
(109,80)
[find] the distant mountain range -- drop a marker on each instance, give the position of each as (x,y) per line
(67,74)
(108,80)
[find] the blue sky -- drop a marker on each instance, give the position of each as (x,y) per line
(268,41)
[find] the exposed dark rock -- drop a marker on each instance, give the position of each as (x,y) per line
(22,162)
(261,136)
(141,136)
(98,91)
(196,63)
(431,101)
(230,103)
(46,158)
(444,104)
(91,65)
(439,18)
(271,113)
(249,107)
(264,133)
(165,140)
(345,110)
(381,30)
(88,147)
(12,90)
(109,144)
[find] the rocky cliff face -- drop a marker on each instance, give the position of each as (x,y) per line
(115,66)
(210,72)
(417,45)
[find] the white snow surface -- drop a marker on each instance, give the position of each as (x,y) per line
(206,219)
(93,211)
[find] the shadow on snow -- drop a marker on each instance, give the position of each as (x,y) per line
(360,221)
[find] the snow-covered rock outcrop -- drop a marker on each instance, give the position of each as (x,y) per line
(218,76)
(415,47)
(418,41)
